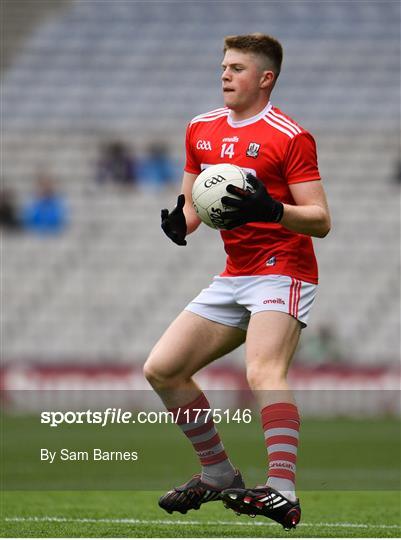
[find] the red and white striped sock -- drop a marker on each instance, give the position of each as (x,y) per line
(201,431)
(281,424)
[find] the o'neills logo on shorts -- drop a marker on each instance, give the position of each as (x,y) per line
(274,301)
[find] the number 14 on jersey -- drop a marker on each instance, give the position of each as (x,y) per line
(227,149)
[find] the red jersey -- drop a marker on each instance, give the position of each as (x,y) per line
(277,151)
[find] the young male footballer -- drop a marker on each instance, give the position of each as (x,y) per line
(264,295)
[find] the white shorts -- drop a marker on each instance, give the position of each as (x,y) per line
(232,300)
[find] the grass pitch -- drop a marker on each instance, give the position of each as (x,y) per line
(136,514)
(348,482)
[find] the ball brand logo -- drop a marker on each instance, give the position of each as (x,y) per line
(214,180)
(215,217)
(203,145)
(274,301)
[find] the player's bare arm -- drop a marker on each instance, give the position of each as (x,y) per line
(310,215)
(191,216)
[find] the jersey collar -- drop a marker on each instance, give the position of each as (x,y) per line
(248,121)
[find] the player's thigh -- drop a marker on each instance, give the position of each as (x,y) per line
(270,344)
(190,343)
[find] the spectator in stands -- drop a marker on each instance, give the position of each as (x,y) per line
(9,216)
(157,169)
(116,164)
(46,212)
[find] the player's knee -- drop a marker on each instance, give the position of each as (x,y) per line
(265,376)
(156,374)
(152,374)
(253,377)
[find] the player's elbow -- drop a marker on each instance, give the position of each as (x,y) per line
(323,233)
(324,226)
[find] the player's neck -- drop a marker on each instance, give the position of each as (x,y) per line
(246,114)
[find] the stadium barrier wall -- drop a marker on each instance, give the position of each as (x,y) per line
(322,391)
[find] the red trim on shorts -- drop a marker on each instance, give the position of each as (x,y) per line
(291,294)
(295,295)
(299,285)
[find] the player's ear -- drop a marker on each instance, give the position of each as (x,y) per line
(267,79)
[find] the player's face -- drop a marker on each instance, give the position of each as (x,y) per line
(243,82)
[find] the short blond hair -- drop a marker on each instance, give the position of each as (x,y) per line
(263,45)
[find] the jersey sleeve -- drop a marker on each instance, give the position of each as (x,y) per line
(191,164)
(300,161)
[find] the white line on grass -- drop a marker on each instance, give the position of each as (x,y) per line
(130,521)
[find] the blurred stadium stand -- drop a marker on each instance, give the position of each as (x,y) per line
(78,75)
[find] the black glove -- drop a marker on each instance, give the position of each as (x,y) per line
(174,224)
(252,206)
